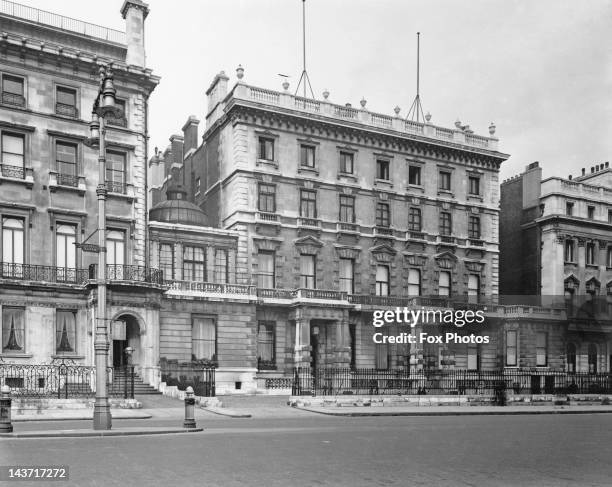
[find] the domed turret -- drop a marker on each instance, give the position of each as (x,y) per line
(176,209)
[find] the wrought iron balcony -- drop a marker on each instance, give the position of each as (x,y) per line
(447,239)
(16,172)
(116,187)
(117,272)
(118,122)
(476,242)
(41,273)
(67,180)
(13,99)
(266,364)
(66,110)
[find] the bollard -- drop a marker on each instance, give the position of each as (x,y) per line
(5,410)
(189,409)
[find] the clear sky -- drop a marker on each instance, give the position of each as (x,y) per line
(541,70)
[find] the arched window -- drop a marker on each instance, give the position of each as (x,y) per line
(571,357)
(592,358)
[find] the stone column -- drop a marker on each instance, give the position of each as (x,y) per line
(342,349)
(302,341)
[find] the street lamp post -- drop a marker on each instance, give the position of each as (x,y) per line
(104,106)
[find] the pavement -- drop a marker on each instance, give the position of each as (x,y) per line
(164,415)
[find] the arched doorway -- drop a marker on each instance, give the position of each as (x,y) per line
(126,333)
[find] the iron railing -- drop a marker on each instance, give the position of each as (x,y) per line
(325,381)
(118,122)
(116,272)
(8,171)
(274,293)
(210,287)
(61,22)
(116,187)
(67,180)
(13,99)
(182,375)
(64,380)
(66,110)
(43,273)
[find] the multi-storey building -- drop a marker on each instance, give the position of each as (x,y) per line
(556,248)
(49,68)
(338,211)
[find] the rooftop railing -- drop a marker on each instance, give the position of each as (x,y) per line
(61,22)
(364,116)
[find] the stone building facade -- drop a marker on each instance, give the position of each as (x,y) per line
(48,183)
(556,250)
(339,212)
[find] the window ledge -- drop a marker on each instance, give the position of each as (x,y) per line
(417,187)
(267,162)
(446,192)
(347,175)
(476,197)
(592,266)
(310,170)
(384,182)
(567,262)
(80,189)
(28,181)
(121,196)
(16,355)
(67,356)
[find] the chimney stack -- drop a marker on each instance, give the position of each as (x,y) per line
(190,133)
(583,171)
(135,12)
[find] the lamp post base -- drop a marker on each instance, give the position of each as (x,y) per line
(102,416)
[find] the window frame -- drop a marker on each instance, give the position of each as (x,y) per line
(415,219)
(308,203)
(24,90)
(418,284)
(508,347)
(262,140)
(189,265)
(221,269)
(305,150)
(591,212)
(474,227)
(448,287)
(76,107)
(13,230)
(266,197)
(383,169)
(261,361)
(112,185)
(194,340)
(541,360)
(17,135)
(418,174)
(446,224)
(261,275)
(383,214)
(344,157)
(383,287)
(474,179)
(163,266)
(343,279)
(305,279)
(590,254)
(443,178)
(59,333)
(569,251)
(21,328)
(342,206)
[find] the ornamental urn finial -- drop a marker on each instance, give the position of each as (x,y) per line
(286,85)
(427,117)
(492,129)
(326,93)
(240,72)
(397,110)
(363,102)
